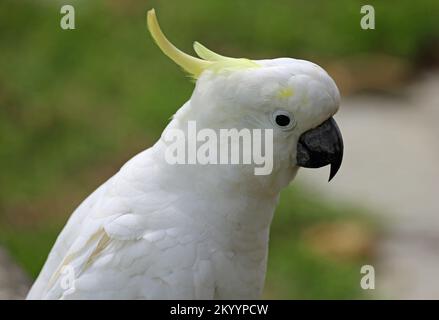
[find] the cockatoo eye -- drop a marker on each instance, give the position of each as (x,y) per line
(284,120)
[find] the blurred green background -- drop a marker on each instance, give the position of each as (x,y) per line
(76,104)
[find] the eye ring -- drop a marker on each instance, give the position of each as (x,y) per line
(283,120)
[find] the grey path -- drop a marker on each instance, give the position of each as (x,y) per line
(14,284)
(391,166)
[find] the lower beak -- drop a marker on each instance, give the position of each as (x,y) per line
(321,146)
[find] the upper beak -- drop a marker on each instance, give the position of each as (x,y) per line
(321,146)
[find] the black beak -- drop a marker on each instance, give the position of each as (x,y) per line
(321,146)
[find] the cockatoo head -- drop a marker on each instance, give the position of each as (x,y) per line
(295,98)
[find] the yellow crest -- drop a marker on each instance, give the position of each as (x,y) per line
(194,66)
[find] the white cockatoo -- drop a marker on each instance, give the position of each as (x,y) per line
(160,231)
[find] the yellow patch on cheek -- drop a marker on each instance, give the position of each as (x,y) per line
(285,93)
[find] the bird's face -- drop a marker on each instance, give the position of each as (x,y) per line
(294,98)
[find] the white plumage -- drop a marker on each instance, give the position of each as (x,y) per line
(161,231)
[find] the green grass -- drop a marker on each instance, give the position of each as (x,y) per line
(72,102)
(29,247)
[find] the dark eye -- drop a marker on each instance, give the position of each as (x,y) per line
(282,120)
